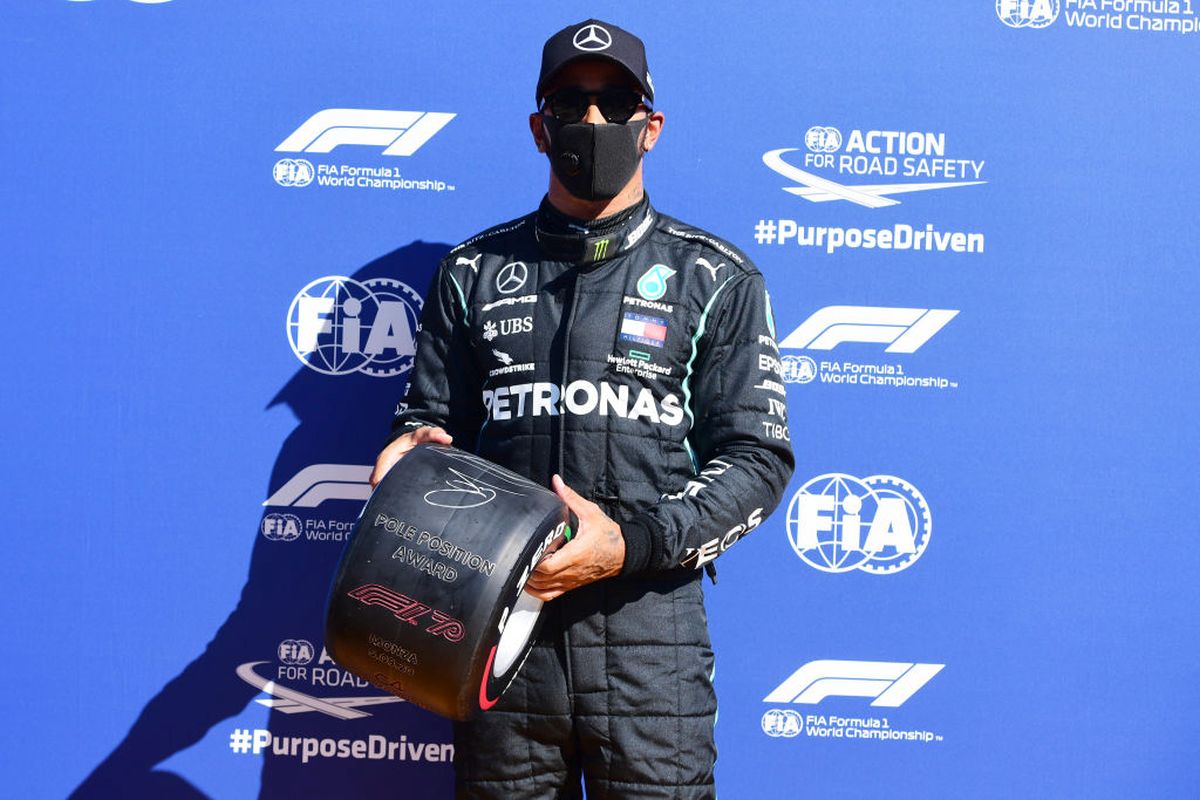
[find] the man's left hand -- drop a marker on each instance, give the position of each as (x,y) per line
(597,551)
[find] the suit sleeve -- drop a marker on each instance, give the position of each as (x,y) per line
(740,444)
(444,385)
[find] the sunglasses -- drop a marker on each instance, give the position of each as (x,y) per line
(570,104)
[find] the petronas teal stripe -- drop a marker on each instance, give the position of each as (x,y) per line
(462,298)
(687,377)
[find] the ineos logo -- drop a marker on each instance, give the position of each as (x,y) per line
(592,38)
(512,277)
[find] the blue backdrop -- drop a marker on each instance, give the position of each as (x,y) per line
(976,223)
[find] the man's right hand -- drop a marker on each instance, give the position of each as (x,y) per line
(396,450)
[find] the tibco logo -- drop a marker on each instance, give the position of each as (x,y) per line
(827,516)
(401,133)
(1028,13)
(337,326)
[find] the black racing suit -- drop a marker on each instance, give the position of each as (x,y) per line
(638,360)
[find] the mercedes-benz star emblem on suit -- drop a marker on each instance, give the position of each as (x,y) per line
(511,277)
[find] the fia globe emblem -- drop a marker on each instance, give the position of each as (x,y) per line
(782,722)
(295,652)
(839,523)
(1028,13)
(823,139)
(293,172)
(797,369)
(337,326)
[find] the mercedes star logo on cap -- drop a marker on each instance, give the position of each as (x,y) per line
(592,38)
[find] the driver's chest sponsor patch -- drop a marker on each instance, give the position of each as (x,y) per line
(643,329)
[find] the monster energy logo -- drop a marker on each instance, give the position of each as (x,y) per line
(601,249)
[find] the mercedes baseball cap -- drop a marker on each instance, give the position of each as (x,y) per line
(595,39)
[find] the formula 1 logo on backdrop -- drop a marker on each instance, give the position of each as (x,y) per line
(902,330)
(839,523)
(1027,13)
(386,134)
(400,133)
(338,326)
(307,490)
(1176,17)
(889,683)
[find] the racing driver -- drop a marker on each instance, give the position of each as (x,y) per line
(629,361)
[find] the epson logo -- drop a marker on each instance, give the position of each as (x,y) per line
(580,398)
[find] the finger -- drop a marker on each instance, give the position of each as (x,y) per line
(573,499)
(432,434)
(544,596)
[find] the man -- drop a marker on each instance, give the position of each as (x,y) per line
(629,361)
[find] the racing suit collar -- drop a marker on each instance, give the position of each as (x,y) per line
(586,242)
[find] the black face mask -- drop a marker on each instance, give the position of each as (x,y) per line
(594,162)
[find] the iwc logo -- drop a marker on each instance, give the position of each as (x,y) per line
(1027,13)
(839,523)
(337,325)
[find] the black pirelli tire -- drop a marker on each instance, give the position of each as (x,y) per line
(427,602)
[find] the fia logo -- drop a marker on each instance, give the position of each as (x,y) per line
(653,284)
(839,523)
(280,527)
(293,172)
(823,139)
(797,369)
(1028,13)
(295,652)
(338,326)
(782,722)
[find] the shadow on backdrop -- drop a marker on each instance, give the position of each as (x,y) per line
(276,631)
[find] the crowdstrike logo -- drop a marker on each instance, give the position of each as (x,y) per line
(903,330)
(839,523)
(313,485)
(338,326)
(400,133)
(889,683)
(1028,13)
